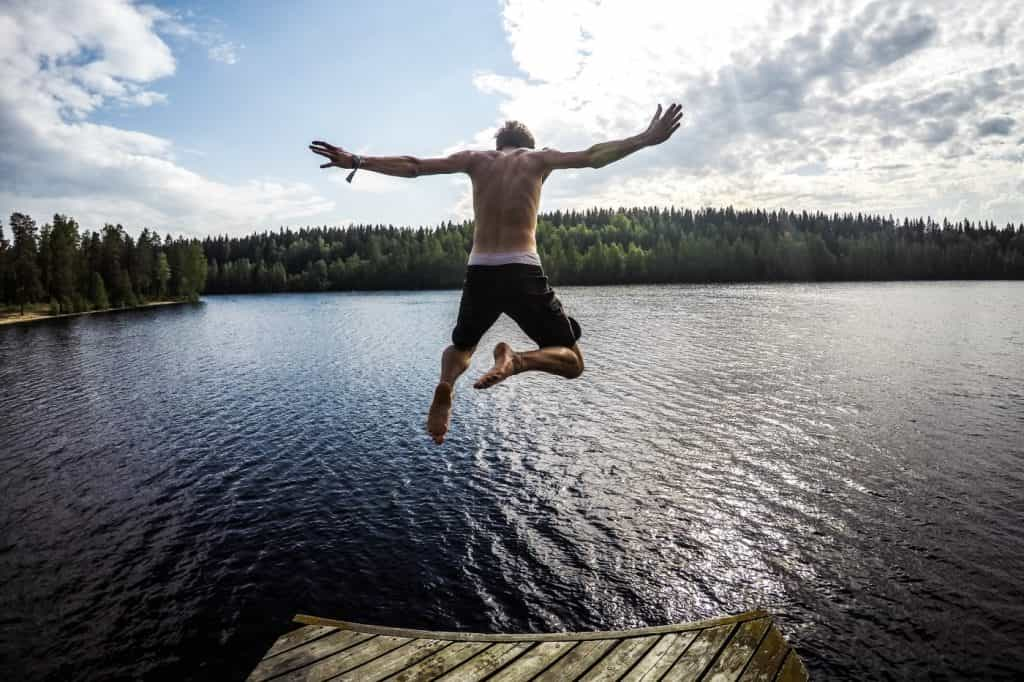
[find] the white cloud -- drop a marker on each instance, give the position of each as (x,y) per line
(183,25)
(225,52)
(902,106)
(60,62)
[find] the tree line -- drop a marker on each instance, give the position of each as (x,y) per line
(640,245)
(79,271)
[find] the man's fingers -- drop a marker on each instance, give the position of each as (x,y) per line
(657,114)
(673,129)
(671,116)
(326,165)
(325,149)
(322,152)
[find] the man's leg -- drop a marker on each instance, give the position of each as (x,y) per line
(539,313)
(454,361)
(561,360)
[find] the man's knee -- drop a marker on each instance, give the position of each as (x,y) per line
(457,356)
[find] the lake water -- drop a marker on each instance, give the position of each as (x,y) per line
(178,482)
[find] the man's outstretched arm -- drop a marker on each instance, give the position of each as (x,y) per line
(661,128)
(401,166)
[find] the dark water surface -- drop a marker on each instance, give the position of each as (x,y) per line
(176,483)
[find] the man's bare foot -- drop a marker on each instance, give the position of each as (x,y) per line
(440,412)
(505,365)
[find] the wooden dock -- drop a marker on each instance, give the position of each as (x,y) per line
(744,647)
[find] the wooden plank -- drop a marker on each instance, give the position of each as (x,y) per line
(696,659)
(440,663)
(533,662)
(767,659)
(745,647)
(395,661)
(346,660)
(486,662)
(793,669)
(730,663)
(661,657)
(307,653)
(575,663)
(298,637)
(619,660)
(538,637)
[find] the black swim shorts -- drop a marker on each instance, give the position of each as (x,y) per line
(521,292)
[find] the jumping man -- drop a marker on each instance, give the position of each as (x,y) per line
(504,273)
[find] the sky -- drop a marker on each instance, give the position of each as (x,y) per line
(194,118)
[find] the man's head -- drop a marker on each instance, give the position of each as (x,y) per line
(514,134)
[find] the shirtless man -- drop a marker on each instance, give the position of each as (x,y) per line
(504,274)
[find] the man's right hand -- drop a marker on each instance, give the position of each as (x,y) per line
(339,158)
(662,126)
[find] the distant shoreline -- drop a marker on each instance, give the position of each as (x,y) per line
(560,286)
(36,317)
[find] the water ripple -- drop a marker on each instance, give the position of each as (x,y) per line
(177,483)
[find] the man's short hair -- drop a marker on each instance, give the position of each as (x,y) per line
(514,134)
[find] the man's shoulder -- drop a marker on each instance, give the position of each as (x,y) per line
(480,160)
(495,154)
(475,155)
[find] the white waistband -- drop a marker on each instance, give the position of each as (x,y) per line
(504,258)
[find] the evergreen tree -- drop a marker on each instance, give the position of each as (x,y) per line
(25,257)
(195,270)
(161,275)
(63,251)
(98,292)
(124,288)
(142,263)
(44,258)
(111,258)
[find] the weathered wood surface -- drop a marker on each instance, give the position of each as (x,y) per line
(744,647)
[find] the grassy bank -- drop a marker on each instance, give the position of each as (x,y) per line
(41,311)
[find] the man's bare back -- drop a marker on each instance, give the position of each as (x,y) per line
(506,197)
(504,273)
